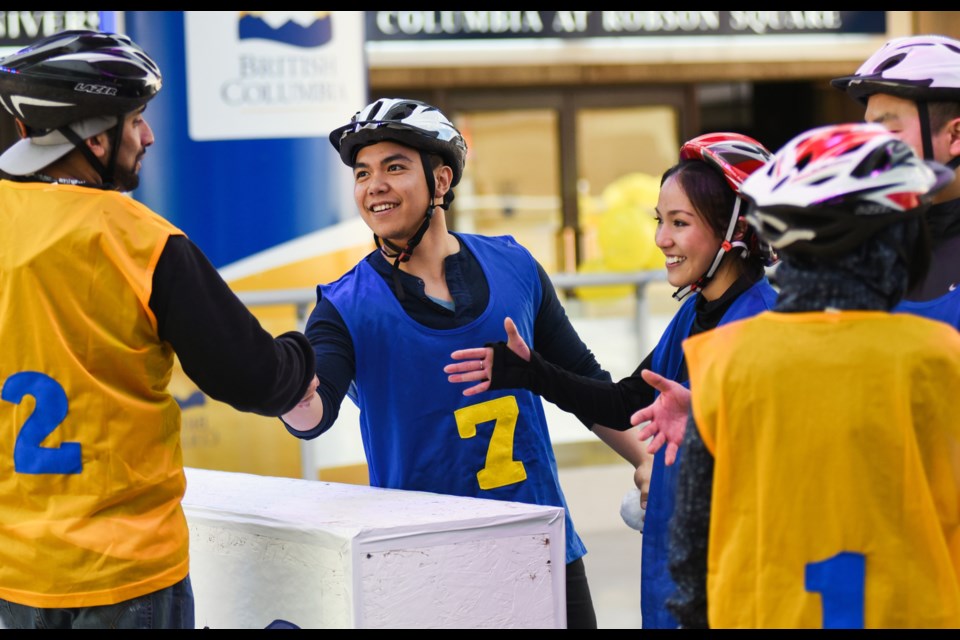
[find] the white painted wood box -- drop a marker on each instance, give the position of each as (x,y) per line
(329,555)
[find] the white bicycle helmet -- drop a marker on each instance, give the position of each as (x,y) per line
(735,156)
(924,68)
(830,188)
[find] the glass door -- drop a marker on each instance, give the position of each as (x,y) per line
(511,182)
(557,168)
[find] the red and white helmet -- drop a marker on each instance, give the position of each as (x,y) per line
(736,156)
(830,188)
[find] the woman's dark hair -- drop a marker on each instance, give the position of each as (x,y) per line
(707,190)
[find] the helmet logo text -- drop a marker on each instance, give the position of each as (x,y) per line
(98,89)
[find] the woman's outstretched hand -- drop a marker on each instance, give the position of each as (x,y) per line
(667,415)
(476,364)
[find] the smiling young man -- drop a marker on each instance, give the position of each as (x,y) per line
(911,86)
(384,330)
(97,294)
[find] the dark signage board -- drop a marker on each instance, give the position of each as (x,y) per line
(492,25)
(20,28)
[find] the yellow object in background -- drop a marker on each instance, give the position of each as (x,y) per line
(621,230)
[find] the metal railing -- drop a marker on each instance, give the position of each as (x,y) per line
(304,299)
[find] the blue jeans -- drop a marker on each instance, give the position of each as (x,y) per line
(170,608)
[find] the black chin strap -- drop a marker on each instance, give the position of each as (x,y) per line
(395,253)
(923,111)
(106,173)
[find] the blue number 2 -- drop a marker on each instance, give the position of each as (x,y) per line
(51,408)
(839,581)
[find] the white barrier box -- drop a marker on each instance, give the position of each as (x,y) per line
(329,555)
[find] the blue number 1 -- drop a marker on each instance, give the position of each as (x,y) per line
(840,582)
(50,410)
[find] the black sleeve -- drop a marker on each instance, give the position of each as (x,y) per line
(336,363)
(689,532)
(220,344)
(556,339)
(598,401)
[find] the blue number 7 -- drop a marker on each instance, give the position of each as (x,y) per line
(50,410)
(840,582)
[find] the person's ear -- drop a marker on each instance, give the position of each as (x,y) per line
(443,176)
(740,229)
(953,131)
(99,145)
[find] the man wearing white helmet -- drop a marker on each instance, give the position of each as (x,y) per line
(911,86)
(97,294)
(383,331)
(820,487)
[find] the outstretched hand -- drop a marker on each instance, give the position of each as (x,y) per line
(667,415)
(476,364)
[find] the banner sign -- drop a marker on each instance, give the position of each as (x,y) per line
(486,25)
(272,74)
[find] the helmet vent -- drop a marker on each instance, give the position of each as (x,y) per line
(889,63)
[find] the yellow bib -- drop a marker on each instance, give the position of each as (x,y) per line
(835,491)
(92,475)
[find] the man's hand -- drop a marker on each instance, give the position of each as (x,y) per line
(641,478)
(667,415)
(307,413)
(476,364)
(311,391)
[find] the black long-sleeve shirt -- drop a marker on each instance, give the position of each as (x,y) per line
(689,532)
(221,345)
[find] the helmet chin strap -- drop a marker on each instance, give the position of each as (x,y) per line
(391,251)
(923,113)
(726,246)
(106,173)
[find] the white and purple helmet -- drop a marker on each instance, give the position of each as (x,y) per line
(925,67)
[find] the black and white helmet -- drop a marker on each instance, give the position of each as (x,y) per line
(830,188)
(76,75)
(409,122)
(419,126)
(925,67)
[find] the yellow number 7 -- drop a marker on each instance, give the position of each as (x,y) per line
(500,468)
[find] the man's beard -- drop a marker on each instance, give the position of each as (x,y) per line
(127,179)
